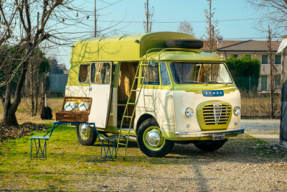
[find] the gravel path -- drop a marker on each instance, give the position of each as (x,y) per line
(267,126)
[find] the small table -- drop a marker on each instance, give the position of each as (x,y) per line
(41,151)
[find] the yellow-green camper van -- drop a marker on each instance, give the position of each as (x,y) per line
(186,96)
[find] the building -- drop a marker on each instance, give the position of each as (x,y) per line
(254,49)
(58,77)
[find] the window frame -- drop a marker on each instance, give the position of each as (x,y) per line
(142,73)
(262,60)
(173,81)
(248,55)
(95,72)
(80,74)
(280,59)
(265,76)
(166,66)
(235,57)
(102,63)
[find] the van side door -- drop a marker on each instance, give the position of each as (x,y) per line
(100,91)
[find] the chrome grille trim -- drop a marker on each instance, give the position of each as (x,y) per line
(217,109)
(210,115)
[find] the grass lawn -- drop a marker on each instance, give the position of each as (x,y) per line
(72,167)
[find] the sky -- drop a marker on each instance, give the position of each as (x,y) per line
(236,19)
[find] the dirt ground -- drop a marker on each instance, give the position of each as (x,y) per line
(242,164)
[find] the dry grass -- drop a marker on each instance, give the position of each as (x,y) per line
(255,105)
(23,114)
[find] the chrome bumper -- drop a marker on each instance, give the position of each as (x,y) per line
(209,133)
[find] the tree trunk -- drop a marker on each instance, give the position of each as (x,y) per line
(9,118)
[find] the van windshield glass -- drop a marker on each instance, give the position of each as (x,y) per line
(211,73)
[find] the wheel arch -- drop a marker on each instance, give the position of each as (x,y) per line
(142,118)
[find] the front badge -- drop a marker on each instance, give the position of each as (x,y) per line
(217,109)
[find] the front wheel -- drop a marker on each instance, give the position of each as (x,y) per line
(86,135)
(213,146)
(150,140)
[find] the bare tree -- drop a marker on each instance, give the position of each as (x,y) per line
(212,33)
(272,74)
(24,41)
(272,11)
(21,32)
(38,67)
(149,15)
(185,27)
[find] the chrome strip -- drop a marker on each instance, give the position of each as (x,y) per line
(209,133)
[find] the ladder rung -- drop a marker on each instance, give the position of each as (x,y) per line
(128,116)
(144,64)
(135,90)
(139,77)
(131,103)
(122,144)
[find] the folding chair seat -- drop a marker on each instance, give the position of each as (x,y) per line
(41,150)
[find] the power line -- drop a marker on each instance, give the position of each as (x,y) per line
(224,20)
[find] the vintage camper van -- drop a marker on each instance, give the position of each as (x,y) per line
(186,96)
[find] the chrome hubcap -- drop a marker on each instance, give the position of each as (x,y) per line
(84,130)
(153,138)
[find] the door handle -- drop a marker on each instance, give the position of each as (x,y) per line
(90,88)
(169,96)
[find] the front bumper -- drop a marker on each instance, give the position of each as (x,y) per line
(209,133)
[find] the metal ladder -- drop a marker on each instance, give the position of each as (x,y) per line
(125,115)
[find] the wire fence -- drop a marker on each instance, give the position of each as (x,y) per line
(256,97)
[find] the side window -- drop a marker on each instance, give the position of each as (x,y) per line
(235,55)
(264,59)
(93,72)
(164,74)
(84,73)
(152,75)
(277,59)
(103,74)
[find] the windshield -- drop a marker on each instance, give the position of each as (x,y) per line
(213,73)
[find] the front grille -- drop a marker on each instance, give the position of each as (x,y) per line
(208,114)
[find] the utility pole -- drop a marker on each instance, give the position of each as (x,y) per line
(147,17)
(210,40)
(271,71)
(95,18)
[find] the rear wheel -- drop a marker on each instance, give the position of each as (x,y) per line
(86,135)
(211,146)
(150,140)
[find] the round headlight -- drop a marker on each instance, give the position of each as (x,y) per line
(236,110)
(188,112)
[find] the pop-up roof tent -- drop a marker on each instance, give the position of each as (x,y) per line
(283,125)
